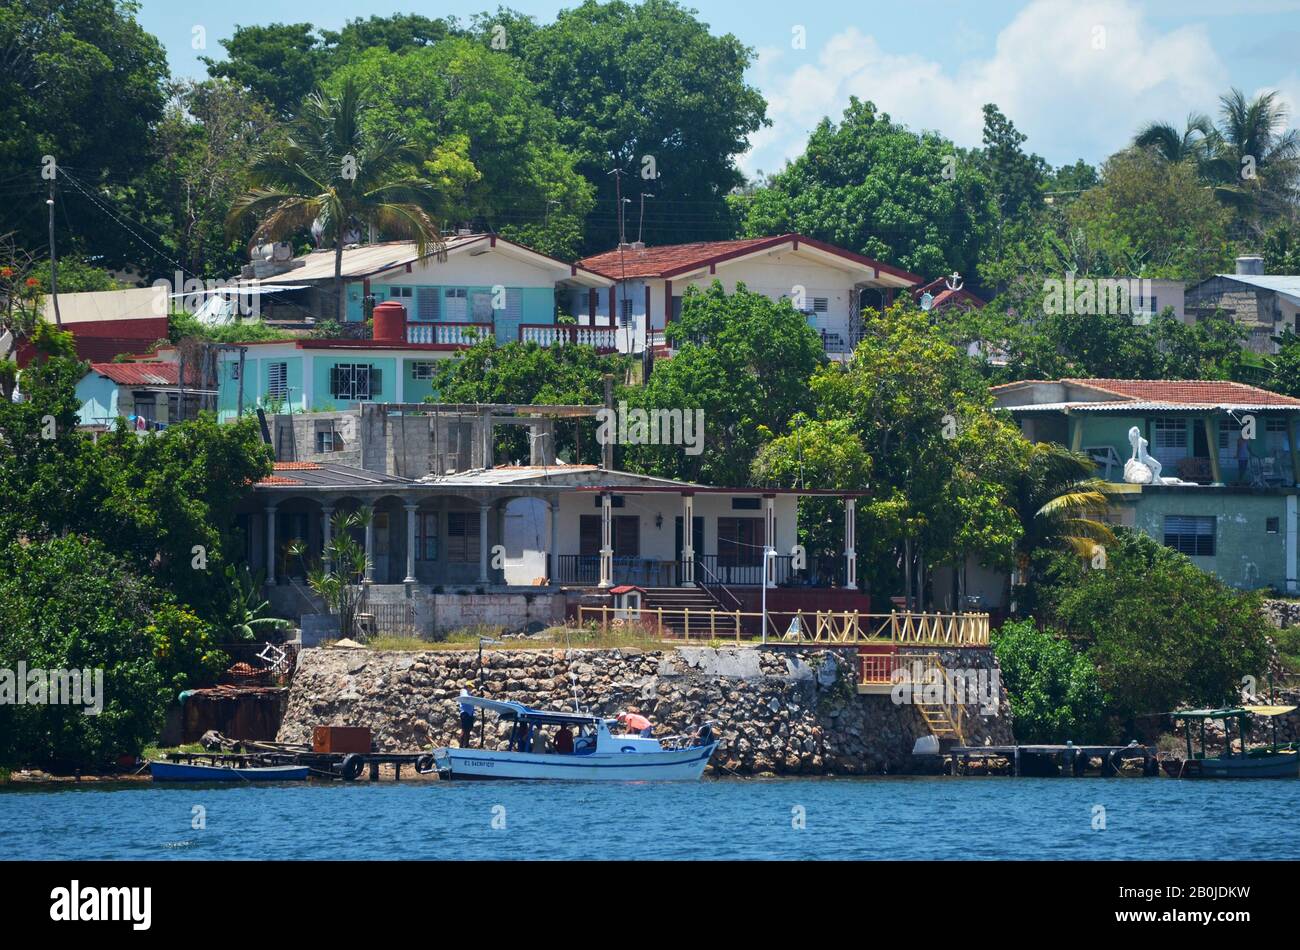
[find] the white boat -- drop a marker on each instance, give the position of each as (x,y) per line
(598,754)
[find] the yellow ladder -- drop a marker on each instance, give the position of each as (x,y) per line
(938,717)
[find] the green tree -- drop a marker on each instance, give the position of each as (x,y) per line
(280,62)
(870,185)
(631,82)
(1053,689)
(1284,366)
(1257,160)
(1160,631)
(331,172)
(490,147)
(1194,144)
(742,359)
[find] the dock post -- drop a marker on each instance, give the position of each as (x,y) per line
(1016,763)
(374,770)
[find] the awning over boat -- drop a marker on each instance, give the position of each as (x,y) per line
(507,709)
(1231,711)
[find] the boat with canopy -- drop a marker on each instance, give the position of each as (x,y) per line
(1272,761)
(539,748)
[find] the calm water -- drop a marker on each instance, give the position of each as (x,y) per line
(724,819)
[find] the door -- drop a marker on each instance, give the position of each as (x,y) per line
(382,539)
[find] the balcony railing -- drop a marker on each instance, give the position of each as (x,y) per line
(710,570)
(562,334)
(448,334)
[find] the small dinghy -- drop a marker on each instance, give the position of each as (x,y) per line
(596,753)
(184,772)
(1272,761)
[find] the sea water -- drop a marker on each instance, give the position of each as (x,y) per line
(794,818)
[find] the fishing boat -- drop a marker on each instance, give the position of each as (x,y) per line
(193,772)
(1271,761)
(597,753)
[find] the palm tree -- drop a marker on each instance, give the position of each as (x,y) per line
(1058,500)
(334,174)
(1194,144)
(1257,159)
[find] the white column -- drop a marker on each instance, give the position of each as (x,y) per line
(270,544)
(369,511)
(553,554)
(410,545)
(326,535)
(769,540)
(606,540)
(850,544)
(1292,557)
(688,538)
(483,543)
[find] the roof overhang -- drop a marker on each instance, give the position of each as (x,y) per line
(864,269)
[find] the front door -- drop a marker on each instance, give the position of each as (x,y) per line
(381,547)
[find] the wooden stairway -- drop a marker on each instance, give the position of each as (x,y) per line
(939,717)
(685,610)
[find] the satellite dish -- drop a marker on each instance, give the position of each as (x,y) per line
(927,300)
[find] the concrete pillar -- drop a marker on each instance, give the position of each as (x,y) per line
(1292,538)
(688,538)
(850,544)
(369,513)
(270,544)
(606,540)
(410,544)
(541,439)
(1212,442)
(553,552)
(769,539)
(326,536)
(483,543)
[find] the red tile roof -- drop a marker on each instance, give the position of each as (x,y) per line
(278,480)
(296,466)
(1194,392)
(139,374)
(671,259)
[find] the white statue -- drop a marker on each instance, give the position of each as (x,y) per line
(1144,468)
(1141,469)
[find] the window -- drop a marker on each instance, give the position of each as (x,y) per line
(625,312)
(625,528)
(422,370)
(327,440)
(615,501)
(740,542)
(426,536)
(355,381)
(401,293)
(462,536)
(481,306)
(277,381)
(1169,438)
(821,304)
(234,371)
(1278,438)
(1191,534)
(1272,525)
(746,504)
(455,304)
(426,304)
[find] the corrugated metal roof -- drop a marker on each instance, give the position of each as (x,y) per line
(1288,285)
(361,261)
(139,374)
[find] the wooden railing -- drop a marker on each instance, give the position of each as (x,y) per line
(847,627)
(448,334)
(568,334)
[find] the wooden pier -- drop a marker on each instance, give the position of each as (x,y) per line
(329,765)
(1045,761)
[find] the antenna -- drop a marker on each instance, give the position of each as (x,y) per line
(54,261)
(640,224)
(618,199)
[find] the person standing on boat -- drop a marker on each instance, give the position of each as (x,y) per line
(466,718)
(564,740)
(636,724)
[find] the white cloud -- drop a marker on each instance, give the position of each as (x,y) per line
(1046,73)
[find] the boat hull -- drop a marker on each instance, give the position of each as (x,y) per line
(180,772)
(1281,765)
(681,765)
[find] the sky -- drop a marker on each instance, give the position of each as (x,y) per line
(1078,77)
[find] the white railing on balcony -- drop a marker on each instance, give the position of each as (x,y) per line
(547,334)
(449,334)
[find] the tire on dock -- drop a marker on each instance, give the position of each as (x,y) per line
(352,766)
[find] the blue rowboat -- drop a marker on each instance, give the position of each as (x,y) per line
(181,772)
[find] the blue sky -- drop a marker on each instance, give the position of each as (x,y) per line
(1077,76)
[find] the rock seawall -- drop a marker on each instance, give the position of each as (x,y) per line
(778,711)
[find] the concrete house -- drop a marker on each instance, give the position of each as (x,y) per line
(482,281)
(454,539)
(1266,305)
(1234,446)
(827,283)
(145,393)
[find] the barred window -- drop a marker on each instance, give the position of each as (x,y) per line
(1191,534)
(355,381)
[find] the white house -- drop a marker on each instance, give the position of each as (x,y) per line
(828,283)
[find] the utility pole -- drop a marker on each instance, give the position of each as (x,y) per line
(640,225)
(54,261)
